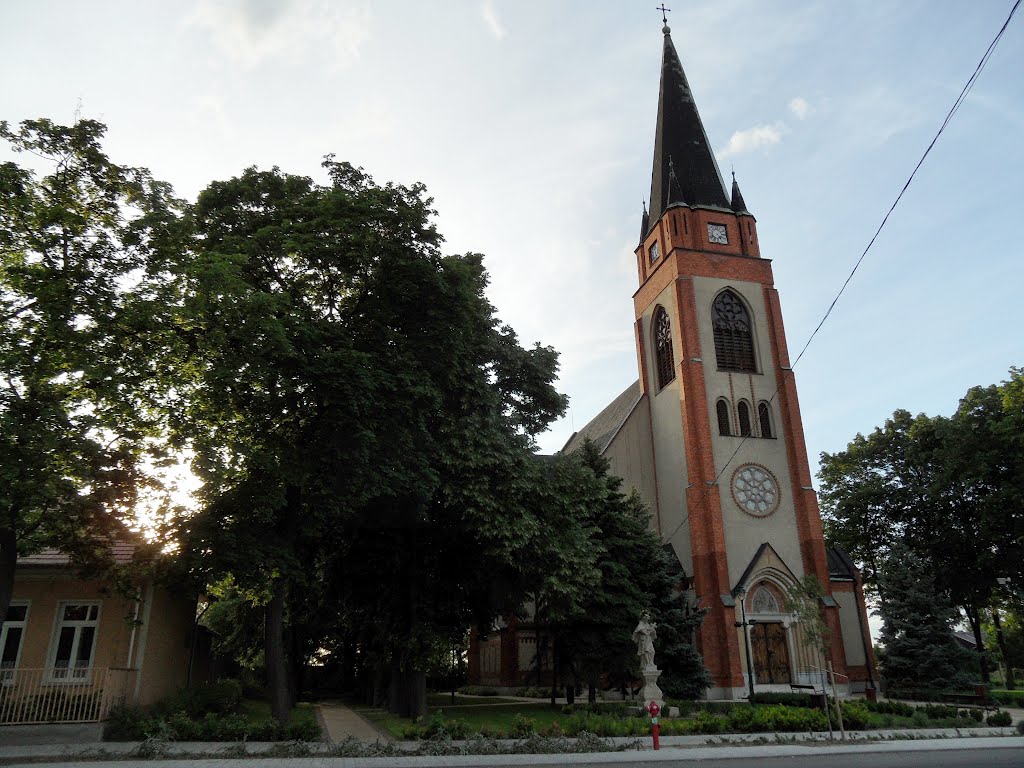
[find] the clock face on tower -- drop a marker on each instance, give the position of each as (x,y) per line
(755,490)
(717,234)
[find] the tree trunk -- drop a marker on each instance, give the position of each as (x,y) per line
(348,665)
(554,669)
(277,669)
(975,621)
(592,693)
(408,692)
(1011,683)
(8,561)
(379,697)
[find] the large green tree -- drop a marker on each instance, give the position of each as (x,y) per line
(636,576)
(359,416)
(79,396)
(948,488)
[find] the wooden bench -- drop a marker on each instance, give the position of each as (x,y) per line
(801,688)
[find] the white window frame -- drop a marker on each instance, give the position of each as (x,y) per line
(72,675)
(8,674)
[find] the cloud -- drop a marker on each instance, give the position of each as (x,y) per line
(754,138)
(800,108)
(490,17)
(249,32)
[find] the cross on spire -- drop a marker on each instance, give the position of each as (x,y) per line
(664,10)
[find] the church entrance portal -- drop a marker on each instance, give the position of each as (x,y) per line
(771,653)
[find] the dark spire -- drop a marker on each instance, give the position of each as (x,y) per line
(737,197)
(675,192)
(643,223)
(679,140)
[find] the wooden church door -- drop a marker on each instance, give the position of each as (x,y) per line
(771,653)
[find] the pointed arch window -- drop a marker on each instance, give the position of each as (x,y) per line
(664,357)
(743,410)
(764,417)
(722,407)
(734,339)
(764,601)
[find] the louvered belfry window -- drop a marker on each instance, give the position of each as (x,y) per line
(663,347)
(722,407)
(744,412)
(765,417)
(734,342)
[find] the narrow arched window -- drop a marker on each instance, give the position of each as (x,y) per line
(744,413)
(663,355)
(764,416)
(722,406)
(734,339)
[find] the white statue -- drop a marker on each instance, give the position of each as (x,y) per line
(644,636)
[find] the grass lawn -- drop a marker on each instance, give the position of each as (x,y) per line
(497,714)
(258,710)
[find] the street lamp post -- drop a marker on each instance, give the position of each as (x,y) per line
(741,593)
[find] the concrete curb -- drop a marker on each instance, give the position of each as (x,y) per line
(222,754)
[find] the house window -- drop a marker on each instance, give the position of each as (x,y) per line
(764,416)
(734,340)
(744,414)
(10,639)
(664,357)
(75,641)
(722,407)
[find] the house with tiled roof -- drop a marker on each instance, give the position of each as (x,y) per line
(72,646)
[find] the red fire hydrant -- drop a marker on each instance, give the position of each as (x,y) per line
(654,710)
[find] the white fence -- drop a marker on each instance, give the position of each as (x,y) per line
(51,695)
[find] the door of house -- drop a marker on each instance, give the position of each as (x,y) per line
(770,652)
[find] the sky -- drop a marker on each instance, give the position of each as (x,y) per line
(532,124)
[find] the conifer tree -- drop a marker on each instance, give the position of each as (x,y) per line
(919,648)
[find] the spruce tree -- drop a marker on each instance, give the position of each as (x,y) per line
(919,648)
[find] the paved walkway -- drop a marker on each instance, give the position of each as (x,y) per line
(340,722)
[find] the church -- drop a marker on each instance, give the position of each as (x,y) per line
(711,437)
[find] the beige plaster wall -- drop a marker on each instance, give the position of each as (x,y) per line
(631,456)
(669,448)
(44,592)
(853,641)
(744,533)
(164,656)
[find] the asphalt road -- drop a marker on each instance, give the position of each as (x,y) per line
(953,753)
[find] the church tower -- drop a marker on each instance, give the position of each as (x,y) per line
(731,480)
(710,436)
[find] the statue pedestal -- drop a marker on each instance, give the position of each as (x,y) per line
(651,691)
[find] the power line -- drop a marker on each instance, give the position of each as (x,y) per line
(968,86)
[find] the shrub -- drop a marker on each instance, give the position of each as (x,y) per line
(221,697)
(1020,727)
(127,722)
(789,699)
(705,722)
(440,728)
(890,708)
(919,719)
(977,715)
(1000,719)
(939,711)
(522,726)
(1013,698)
(856,715)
